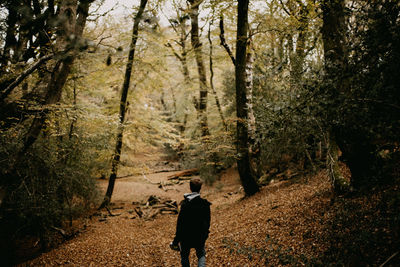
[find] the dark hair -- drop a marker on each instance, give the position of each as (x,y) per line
(195,184)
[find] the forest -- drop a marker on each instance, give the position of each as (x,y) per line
(288,110)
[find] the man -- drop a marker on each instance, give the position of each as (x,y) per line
(193,225)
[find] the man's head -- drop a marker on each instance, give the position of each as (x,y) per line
(195,185)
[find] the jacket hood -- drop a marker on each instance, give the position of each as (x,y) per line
(191,196)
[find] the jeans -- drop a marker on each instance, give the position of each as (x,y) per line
(200,252)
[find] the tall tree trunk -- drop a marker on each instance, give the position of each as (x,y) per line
(123,105)
(254,145)
(212,80)
(197,47)
(246,173)
(333,35)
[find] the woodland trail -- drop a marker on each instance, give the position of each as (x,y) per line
(276,226)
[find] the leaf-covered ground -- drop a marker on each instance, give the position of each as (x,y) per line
(291,223)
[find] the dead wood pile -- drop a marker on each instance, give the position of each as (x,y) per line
(155,206)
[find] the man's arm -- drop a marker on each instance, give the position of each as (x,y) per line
(179,223)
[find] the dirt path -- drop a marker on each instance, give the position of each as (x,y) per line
(245,232)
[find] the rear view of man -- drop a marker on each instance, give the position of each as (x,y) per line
(193,225)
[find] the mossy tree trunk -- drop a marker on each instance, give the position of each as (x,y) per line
(333,35)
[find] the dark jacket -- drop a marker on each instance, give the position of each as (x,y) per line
(193,221)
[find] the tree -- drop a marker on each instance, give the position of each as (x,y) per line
(40,179)
(123,105)
(74,18)
(361,85)
(72,15)
(179,26)
(333,35)
(39,35)
(197,47)
(251,121)
(246,173)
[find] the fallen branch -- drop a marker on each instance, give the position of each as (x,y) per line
(178,175)
(144,176)
(169,210)
(139,212)
(64,234)
(391,257)
(165,170)
(153,214)
(61,231)
(110,213)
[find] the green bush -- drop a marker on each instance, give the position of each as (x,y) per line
(49,185)
(290,129)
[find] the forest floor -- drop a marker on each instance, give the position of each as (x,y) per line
(286,223)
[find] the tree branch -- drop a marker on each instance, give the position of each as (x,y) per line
(23,75)
(284,8)
(223,41)
(173,51)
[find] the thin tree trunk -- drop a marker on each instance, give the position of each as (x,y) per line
(185,68)
(74,119)
(197,47)
(123,106)
(212,80)
(246,173)
(182,57)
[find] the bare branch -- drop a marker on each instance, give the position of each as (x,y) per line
(284,8)
(173,51)
(97,16)
(223,41)
(23,75)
